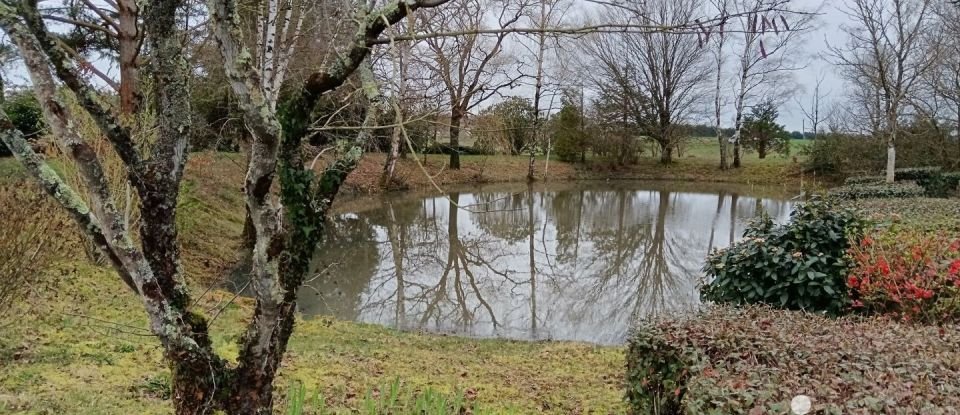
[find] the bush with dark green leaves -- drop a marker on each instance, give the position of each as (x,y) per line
(800,265)
(952,183)
(24,112)
(878,191)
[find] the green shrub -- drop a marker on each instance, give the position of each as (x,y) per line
(657,372)
(881,190)
(930,178)
(799,265)
(916,173)
(863,180)
(755,360)
(25,114)
(952,183)
(443,148)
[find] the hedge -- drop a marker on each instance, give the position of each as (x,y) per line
(933,180)
(754,360)
(863,180)
(882,190)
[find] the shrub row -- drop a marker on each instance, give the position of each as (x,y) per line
(441,148)
(754,360)
(879,190)
(863,180)
(933,180)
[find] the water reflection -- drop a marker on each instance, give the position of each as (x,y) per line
(579,262)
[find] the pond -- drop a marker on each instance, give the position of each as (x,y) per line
(570,261)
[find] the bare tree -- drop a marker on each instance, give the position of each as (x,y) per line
(286,233)
(811,113)
(886,57)
(719,42)
(550,14)
(944,79)
(767,55)
(660,74)
(473,67)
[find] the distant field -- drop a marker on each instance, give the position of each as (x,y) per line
(708,148)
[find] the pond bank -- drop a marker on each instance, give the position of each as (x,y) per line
(499,169)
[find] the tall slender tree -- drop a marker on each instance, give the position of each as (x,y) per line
(288,225)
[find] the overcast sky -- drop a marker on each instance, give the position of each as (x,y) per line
(815,46)
(828,30)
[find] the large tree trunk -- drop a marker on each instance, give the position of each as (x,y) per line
(736,154)
(762,149)
(456,116)
(723,149)
(891,160)
(128,41)
(666,154)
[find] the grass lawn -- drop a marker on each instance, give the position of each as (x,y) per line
(86,351)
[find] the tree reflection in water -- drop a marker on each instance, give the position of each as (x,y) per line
(577,263)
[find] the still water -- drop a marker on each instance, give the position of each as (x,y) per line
(574,261)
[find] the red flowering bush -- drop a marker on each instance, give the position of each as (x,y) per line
(912,276)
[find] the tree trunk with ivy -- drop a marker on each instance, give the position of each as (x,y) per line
(286,227)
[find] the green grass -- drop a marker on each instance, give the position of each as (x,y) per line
(86,351)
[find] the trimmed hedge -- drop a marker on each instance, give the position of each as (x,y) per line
(916,174)
(952,183)
(863,180)
(441,148)
(933,180)
(882,190)
(754,360)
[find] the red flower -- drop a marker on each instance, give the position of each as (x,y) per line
(954,267)
(853,282)
(857,303)
(883,266)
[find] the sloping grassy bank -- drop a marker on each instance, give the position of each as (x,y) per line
(85,351)
(80,346)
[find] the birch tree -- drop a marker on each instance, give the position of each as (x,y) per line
(765,54)
(288,224)
(279,26)
(887,56)
(549,14)
(719,41)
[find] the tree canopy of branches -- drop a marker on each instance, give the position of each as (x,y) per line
(658,76)
(473,67)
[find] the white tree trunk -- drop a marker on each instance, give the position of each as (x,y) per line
(891,161)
